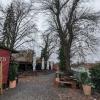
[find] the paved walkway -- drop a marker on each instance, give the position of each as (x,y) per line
(41,88)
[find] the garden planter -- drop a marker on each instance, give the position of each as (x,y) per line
(57,79)
(12,84)
(87,89)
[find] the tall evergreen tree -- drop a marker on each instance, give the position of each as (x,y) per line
(9,29)
(18,25)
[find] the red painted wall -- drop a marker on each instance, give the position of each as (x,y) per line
(5,58)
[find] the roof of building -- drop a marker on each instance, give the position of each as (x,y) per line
(5,48)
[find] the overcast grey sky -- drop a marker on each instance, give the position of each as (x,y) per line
(94,4)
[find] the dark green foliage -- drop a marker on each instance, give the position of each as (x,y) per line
(95,74)
(95,71)
(13,71)
(45,55)
(62,60)
(9,29)
(85,79)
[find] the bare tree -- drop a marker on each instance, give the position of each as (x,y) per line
(49,45)
(75,27)
(24,23)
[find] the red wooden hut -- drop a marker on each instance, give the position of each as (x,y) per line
(5,54)
(4,59)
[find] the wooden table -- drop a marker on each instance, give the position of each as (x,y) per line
(66,80)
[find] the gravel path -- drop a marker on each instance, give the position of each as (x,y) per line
(32,88)
(41,88)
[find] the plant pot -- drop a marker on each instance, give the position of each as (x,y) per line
(12,84)
(87,89)
(57,79)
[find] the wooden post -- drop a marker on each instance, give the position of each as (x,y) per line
(1,77)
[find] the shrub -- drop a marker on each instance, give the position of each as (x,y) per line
(95,75)
(85,79)
(13,71)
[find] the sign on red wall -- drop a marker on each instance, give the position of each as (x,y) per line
(5,58)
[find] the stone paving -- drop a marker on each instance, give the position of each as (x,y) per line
(41,88)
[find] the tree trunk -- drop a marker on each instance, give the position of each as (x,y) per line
(64,56)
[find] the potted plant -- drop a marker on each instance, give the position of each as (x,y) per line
(85,80)
(13,74)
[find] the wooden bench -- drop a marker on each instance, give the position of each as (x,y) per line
(72,83)
(68,82)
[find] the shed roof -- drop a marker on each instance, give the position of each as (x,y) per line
(5,48)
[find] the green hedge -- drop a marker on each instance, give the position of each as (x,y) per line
(95,75)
